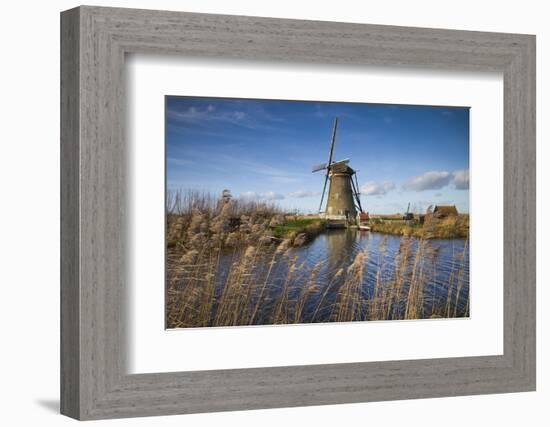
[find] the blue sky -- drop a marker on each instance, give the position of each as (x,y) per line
(265,149)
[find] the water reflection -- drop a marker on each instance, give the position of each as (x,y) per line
(444,265)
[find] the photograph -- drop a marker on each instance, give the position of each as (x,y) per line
(294,212)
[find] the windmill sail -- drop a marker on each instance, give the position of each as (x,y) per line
(323,193)
(319,167)
(333,142)
(357,193)
(328,164)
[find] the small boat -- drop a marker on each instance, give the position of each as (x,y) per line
(363,227)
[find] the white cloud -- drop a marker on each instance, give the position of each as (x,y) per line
(433,180)
(436,180)
(202,116)
(376,188)
(270,195)
(249,195)
(303,194)
(461,179)
(180,161)
(252,195)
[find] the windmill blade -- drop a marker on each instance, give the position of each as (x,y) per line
(319,167)
(328,164)
(356,201)
(356,192)
(357,182)
(323,193)
(333,141)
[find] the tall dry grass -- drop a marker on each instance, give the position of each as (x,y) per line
(451,227)
(184,202)
(264,281)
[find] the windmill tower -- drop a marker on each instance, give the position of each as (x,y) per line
(343,202)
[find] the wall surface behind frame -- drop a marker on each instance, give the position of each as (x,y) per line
(29,213)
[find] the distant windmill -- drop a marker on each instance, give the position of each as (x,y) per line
(343,200)
(408,215)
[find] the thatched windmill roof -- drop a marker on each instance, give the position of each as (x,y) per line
(341,167)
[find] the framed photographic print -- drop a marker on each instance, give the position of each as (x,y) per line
(337,247)
(261,213)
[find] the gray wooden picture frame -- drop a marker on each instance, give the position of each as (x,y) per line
(94,381)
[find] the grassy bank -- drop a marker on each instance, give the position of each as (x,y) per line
(452,227)
(299,230)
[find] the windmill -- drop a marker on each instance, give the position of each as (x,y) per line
(343,200)
(408,215)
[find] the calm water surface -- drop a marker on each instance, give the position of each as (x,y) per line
(336,249)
